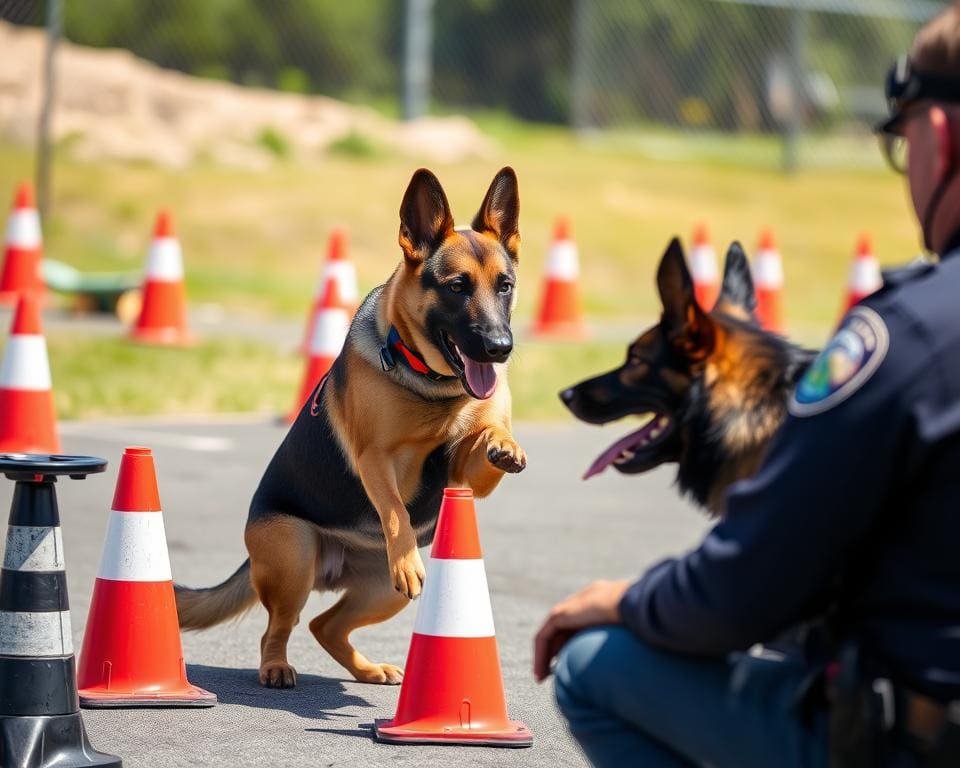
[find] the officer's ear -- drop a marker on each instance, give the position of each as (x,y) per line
(737,297)
(944,143)
(687,326)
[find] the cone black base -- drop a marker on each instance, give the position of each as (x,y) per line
(56,741)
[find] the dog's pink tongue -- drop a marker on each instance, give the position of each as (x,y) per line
(606,458)
(482,377)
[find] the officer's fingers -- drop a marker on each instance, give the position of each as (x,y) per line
(564,613)
(546,651)
(543,652)
(559,640)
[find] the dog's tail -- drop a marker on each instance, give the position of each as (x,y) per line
(202,608)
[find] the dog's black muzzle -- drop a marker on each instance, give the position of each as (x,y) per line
(602,399)
(488,346)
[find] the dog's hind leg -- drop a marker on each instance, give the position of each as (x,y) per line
(362,604)
(283,556)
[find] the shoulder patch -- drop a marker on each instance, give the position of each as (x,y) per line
(847,362)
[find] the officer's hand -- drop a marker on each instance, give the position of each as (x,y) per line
(596,604)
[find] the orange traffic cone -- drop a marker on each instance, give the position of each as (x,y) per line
(163,314)
(452,689)
(23,249)
(341,270)
(559,313)
(131,653)
(28,423)
(329,332)
(768,283)
(865,277)
(703,269)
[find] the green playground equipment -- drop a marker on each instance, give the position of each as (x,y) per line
(114,292)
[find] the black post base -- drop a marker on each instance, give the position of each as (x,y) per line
(54,741)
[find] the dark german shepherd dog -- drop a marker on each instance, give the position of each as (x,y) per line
(713,385)
(416,401)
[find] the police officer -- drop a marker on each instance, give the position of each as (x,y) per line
(855,513)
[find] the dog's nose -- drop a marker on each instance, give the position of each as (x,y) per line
(568,396)
(498,347)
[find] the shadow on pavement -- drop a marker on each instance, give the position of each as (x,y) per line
(314,697)
(363,730)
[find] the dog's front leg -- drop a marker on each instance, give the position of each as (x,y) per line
(482,459)
(379,477)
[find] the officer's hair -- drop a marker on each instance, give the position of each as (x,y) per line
(936,48)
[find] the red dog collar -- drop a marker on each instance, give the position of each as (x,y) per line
(413,361)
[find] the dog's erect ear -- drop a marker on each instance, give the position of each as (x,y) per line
(687,326)
(499,213)
(737,297)
(425,218)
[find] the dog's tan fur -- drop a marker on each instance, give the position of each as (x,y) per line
(385,432)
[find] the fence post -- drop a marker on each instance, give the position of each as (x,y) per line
(54,31)
(793,130)
(417,51)
(582,36)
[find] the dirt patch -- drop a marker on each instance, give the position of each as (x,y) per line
(112,105)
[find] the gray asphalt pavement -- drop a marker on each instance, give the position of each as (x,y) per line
(545,533)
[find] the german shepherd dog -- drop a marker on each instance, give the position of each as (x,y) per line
(713,385)
(416,401)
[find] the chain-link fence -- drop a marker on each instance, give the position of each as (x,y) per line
(771,70)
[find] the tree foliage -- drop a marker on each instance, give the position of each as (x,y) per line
(695,61)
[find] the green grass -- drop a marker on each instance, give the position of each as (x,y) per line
(274,142)
(100,376)
(254,243)
(255,240)
(540,370)
(355,145)
(105,376)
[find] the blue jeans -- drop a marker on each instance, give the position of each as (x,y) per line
(631,705)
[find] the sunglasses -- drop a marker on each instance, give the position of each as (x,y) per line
(906,87)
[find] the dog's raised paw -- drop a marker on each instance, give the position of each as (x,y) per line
(507,455)
(408,575)
(278,674)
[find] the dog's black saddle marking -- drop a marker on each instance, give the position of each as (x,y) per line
(310,477)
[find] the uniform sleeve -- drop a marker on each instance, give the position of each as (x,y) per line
(788,530)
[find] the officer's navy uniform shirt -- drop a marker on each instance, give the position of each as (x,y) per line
(857,505)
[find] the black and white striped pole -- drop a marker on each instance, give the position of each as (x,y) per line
(40,723)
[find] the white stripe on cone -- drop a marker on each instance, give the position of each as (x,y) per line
(329,332)
(455,601)
(33,548)
(563,261)
(703,264)
(25,364)
(768,270)
(29,633)
(165,260)
(344,274)
(135,548)
(865,276)
(23,229)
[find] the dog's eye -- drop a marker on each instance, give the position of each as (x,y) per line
(506,288)
(456,286)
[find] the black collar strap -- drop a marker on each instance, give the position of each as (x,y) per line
(413,361)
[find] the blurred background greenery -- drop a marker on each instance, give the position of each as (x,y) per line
(516,55)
